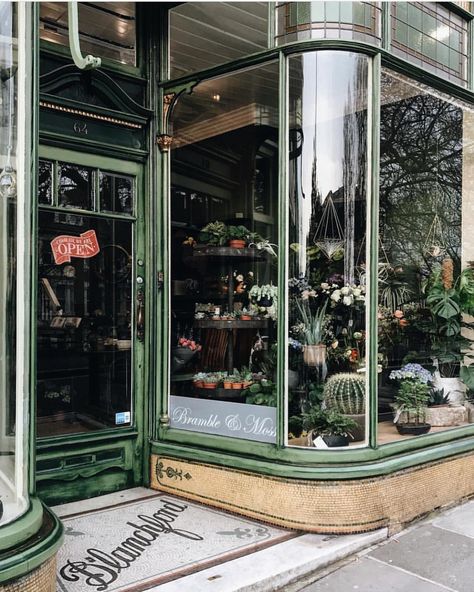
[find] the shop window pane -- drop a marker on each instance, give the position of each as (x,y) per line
(75,187)
(84,319)
(436,40)
(45,182)
(426,255)
(116,193)
(297,21)
(205,34)
(224,175)
(107,29)
(327,249)
(13,412)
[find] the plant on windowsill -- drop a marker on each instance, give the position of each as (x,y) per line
(344,392)
(333,427)
(313,331)
(412,399)
(449,302)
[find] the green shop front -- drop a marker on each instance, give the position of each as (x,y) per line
(238,262)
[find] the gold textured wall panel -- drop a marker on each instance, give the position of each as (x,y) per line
(345,506)
(42,579)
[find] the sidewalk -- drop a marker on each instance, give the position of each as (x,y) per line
(436,555)
(140,539)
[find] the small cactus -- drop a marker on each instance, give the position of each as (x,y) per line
(345,393)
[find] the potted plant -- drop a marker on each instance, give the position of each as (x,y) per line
(198,379)
(237,236)
(333,427)
(313,332)
(211,381)
(412,399)
(449,301)
(214,234)
(264,295)
(262,392)
(345,393)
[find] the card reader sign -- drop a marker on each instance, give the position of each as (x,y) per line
(84,246)
(123,417)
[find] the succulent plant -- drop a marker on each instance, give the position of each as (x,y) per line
(345,392)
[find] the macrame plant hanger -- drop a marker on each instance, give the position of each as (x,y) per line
(434,244)
(329,236)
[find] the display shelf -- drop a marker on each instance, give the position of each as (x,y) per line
(211,252)
(221,394)
(182,377)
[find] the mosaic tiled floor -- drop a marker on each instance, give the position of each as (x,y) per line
(143,543)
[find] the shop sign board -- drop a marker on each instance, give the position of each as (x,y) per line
(84,246)
(224,418)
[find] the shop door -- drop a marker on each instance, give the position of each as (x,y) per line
(90,326)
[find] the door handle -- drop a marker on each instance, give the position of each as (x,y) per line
(140,315)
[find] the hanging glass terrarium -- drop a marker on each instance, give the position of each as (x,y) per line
(329,236)
(435,244)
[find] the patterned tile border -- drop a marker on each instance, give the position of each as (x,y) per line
(340,507)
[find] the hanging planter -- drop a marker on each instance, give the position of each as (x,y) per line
(329,236)
(435,244)
(314,355)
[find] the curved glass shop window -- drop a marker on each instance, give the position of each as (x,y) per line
(426,259)
(223,222)
(13,411)
(326,366)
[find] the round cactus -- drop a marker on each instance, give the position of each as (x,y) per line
(345,392)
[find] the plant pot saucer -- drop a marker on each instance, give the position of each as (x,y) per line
(413,429)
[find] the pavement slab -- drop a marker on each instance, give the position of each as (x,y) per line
(460,520)
(436,554)
(367,575)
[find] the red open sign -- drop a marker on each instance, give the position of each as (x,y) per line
(84,246)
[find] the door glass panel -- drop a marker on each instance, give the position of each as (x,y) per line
(84,323)
(45,182)
(75,186)
(116,193)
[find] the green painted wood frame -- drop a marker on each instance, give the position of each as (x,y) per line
(104,475)
(280,460)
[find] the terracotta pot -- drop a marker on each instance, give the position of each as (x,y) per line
(245,318)
(246,384)
(199,383)
(227,385)
(236,385)
(314,355)
(237,243)
(210,385)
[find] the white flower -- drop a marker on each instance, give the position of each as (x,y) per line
(336,295)
(325,286)
(357,292)
(305,294)
(345,291)
(348,300)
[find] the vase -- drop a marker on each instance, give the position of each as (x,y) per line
(237,243)
(453,387)
(181,356)
(314,355)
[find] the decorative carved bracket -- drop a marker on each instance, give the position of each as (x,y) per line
(83,63)
(164,142)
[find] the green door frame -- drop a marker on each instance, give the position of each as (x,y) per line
(92,476)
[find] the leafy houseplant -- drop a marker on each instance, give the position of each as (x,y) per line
(412,399)
(262,392)
(238,236)
(264,295)
(345,393)
(332,426)
(214,234)
(313,332)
